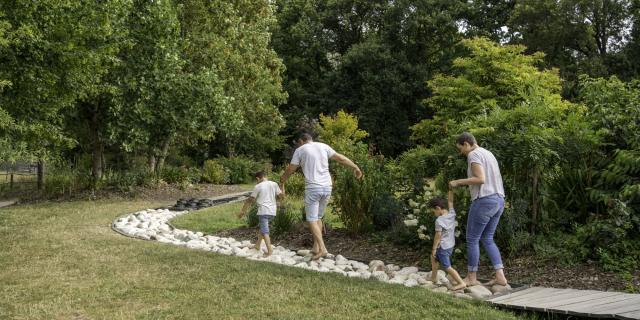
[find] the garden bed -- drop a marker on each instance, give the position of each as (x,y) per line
(524,270)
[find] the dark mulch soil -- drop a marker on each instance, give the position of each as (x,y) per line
(522,270)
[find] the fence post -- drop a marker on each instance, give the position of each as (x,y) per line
(11,180)
(40,174)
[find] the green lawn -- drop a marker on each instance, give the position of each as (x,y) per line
(62,261)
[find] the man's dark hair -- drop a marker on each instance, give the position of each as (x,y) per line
(466,137)
(305,136)
(437,202)
(260,174)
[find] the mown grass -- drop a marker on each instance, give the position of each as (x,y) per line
(62,261)
(214,219)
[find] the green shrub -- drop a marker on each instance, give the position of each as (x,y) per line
(252,217)
(287,217)
(65,181)
(358,202)
(214,172)
(179,175)
(241,169)
(295,184)
(126,180)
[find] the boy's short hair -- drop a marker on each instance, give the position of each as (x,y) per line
(260,174)
(437,202)
(305,136)
(466,137)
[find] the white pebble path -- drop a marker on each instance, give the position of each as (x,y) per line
(153,224)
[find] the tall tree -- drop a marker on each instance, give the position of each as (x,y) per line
(577,36)
(233,38)
(165,100)
(101,34)
(44,73)
(369,58)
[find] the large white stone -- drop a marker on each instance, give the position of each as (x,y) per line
(340,257)
(408,270)
(411,283)
(478,292)
(498,289)
(380,276)
(376,265)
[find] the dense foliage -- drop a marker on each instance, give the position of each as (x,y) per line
(123,79)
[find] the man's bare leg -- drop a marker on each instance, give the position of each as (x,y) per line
(267,241)
(316,231)
(315,249)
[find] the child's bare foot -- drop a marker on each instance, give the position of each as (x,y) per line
(459,286)
(470,283)
(268,253)
(434,280)
(319,255)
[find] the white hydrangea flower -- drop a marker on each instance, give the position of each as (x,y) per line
(411,223)
(410,217)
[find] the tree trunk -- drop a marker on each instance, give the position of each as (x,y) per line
(152,162)
(40,174)
(163,153)
(534,200)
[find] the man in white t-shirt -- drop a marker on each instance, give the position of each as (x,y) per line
(264,194)
(313,158)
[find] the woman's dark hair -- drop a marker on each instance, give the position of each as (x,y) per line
(260,174)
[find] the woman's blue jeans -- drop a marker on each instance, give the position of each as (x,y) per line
(484,215)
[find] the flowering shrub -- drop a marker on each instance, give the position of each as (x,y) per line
(421,220)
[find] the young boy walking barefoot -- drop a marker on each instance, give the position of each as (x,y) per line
(444,240)
(264,194)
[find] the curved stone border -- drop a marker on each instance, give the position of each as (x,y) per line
(153,224)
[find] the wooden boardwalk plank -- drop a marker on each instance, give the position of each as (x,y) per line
(531,296)
(515,294)
(625,299)
(540,295)
(570,296)
(600,304)
(590,297)
(627,304)
(629,315)
(585,303)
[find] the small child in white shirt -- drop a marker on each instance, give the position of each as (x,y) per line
(264,194)
(444,240)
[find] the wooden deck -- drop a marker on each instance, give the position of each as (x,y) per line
(583,303)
